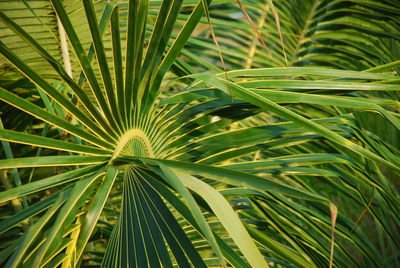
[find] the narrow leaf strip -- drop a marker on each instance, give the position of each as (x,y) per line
(50,91)
(46,183)
(101,57)
(175,49)
(48,161)
(234,177)
(131,46)
(229,219)
(348,102)
(27,213)
(175,181)
(268,105)
(90,219)
(323,85)
(40,113)
(34,231)
(24,138)
(78,193)
(105,18)
(9,155)
(84,62)
(166,19)
(117,60)
(157,227)
(306,71)
(170,228)
(232,256)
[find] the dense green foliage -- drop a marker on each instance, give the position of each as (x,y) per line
(195,133)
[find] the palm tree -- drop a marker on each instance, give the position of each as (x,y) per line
(144,144)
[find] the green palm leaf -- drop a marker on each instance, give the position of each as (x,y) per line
(142,162)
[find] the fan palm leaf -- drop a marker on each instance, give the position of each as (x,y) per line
(136,175)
